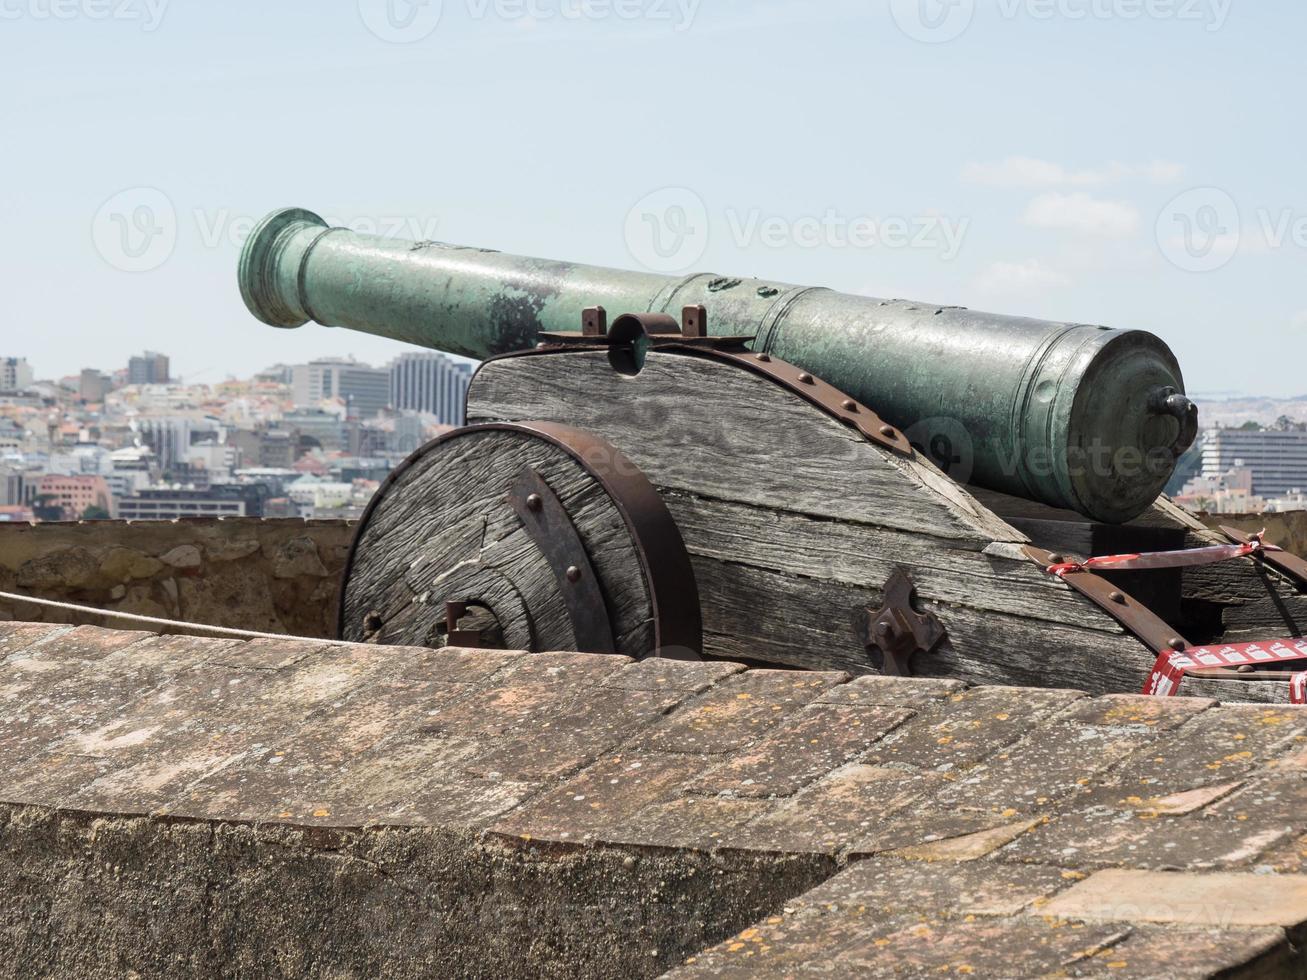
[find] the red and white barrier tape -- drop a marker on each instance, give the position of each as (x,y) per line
(1166,559)
(1171,666)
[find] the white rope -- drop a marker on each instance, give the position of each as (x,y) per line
(153,621)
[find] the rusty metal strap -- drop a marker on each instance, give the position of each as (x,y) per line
(1137,618)
(1289,564)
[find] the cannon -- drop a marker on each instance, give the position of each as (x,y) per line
(713,468)
(1075,416)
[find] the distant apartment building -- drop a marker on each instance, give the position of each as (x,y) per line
(365,390)
(15,374)
(73,495)
(94,386)
(316,427)
(171,503)
(12,436)
(425,381)
(149,368)
(1276,459)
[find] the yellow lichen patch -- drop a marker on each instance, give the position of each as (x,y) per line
(321,813)
(1074,875)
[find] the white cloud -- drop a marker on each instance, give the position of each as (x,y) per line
(1029,276)
(1083,214)
(1033,172)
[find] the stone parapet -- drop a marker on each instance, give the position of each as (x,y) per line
(213,808)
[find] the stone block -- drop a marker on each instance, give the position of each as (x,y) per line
(893,692)
(68,568)
(604,799)
(737,711)
(806,746)
(122,565)
(838,810)
(967,727)
(1096,839)
(298,557)
(892,887)
(1222,900)
(183,557)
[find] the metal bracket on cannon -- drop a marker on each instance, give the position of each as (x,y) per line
(660,329)
(896,629)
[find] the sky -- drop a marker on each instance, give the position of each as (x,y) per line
(1135,163)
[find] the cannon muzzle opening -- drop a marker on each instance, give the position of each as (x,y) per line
(270,264)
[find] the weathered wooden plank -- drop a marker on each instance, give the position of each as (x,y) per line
(716,430)
(859,554)
(802,622)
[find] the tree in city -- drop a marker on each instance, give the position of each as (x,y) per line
(46,508)
(94,513)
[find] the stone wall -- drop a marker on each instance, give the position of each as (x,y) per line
(274,576)
(175,806)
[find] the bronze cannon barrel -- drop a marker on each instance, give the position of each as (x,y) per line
(1076,416)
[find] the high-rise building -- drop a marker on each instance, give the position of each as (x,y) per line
(1277,459)
(365,390)
(426,381)
(15,374)
(148,369)
(94,386)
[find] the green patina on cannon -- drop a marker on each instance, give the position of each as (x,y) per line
(1079,417)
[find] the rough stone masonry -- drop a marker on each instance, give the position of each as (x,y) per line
(185,807)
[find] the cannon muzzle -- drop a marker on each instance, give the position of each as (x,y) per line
(1075,416)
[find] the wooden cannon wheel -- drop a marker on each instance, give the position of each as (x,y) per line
(536,536)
